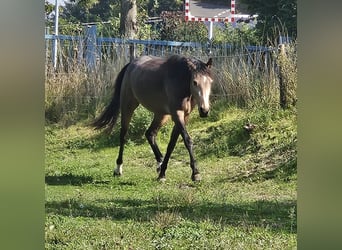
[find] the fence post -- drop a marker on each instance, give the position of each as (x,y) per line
(282,84)
(80,58)
(91,47)
(131,51)
(47,32)
(55,45)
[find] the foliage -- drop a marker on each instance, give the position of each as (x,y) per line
(49,8)
(86,11)
(106,14)
(275,17)
(156,7)
(175,28)
(235,36)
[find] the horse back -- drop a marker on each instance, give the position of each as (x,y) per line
(157,82)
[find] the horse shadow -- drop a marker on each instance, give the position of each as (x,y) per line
(105,139)
(278,216)
(71,179)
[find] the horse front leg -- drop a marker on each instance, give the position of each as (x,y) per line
(182,121)
(195,176)
(179,129)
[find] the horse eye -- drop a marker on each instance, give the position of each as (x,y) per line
(195,83)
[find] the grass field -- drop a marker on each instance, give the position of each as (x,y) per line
(246,199)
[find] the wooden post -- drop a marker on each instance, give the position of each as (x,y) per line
(282,83)
(131,51)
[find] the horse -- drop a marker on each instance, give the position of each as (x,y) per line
(167,87)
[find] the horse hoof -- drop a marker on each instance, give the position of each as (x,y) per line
(196,177)
(116,174)
(161,179)
(118,170)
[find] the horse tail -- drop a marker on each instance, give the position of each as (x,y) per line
(110,115)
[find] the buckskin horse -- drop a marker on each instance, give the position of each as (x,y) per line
(167,87)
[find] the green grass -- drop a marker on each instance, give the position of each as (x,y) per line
(246,199)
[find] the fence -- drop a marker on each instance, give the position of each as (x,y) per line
(87,65)
(93,50)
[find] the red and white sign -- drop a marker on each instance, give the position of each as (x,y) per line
(198,11)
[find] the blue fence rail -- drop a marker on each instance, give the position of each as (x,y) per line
(92,50)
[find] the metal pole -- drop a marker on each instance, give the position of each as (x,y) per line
(56,34)
(210,34)
(210,37)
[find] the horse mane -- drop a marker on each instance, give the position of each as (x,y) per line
(199,67)
(189,64)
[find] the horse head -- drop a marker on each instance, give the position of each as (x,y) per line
(200,86)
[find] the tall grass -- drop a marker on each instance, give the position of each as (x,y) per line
(78,93)
(242,78)
(287,61)
(252,79)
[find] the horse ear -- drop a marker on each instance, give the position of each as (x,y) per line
(191,65)
(210,63)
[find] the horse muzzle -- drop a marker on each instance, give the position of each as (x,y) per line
(203,112)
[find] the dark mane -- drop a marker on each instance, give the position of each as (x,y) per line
(182,65)
(201,67)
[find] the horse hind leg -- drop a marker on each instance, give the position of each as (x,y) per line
(151,134)
(127,110)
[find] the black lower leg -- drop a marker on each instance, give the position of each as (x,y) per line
(189,145)
(123,132)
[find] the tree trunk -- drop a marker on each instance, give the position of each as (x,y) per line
(128,22)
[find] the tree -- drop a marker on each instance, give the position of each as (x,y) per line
(49,9)
(85,11)
(156,7)
(128,22)
(128,19)
(174,28)
(243,35)
(275,17)
(105,13)
(120,16)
